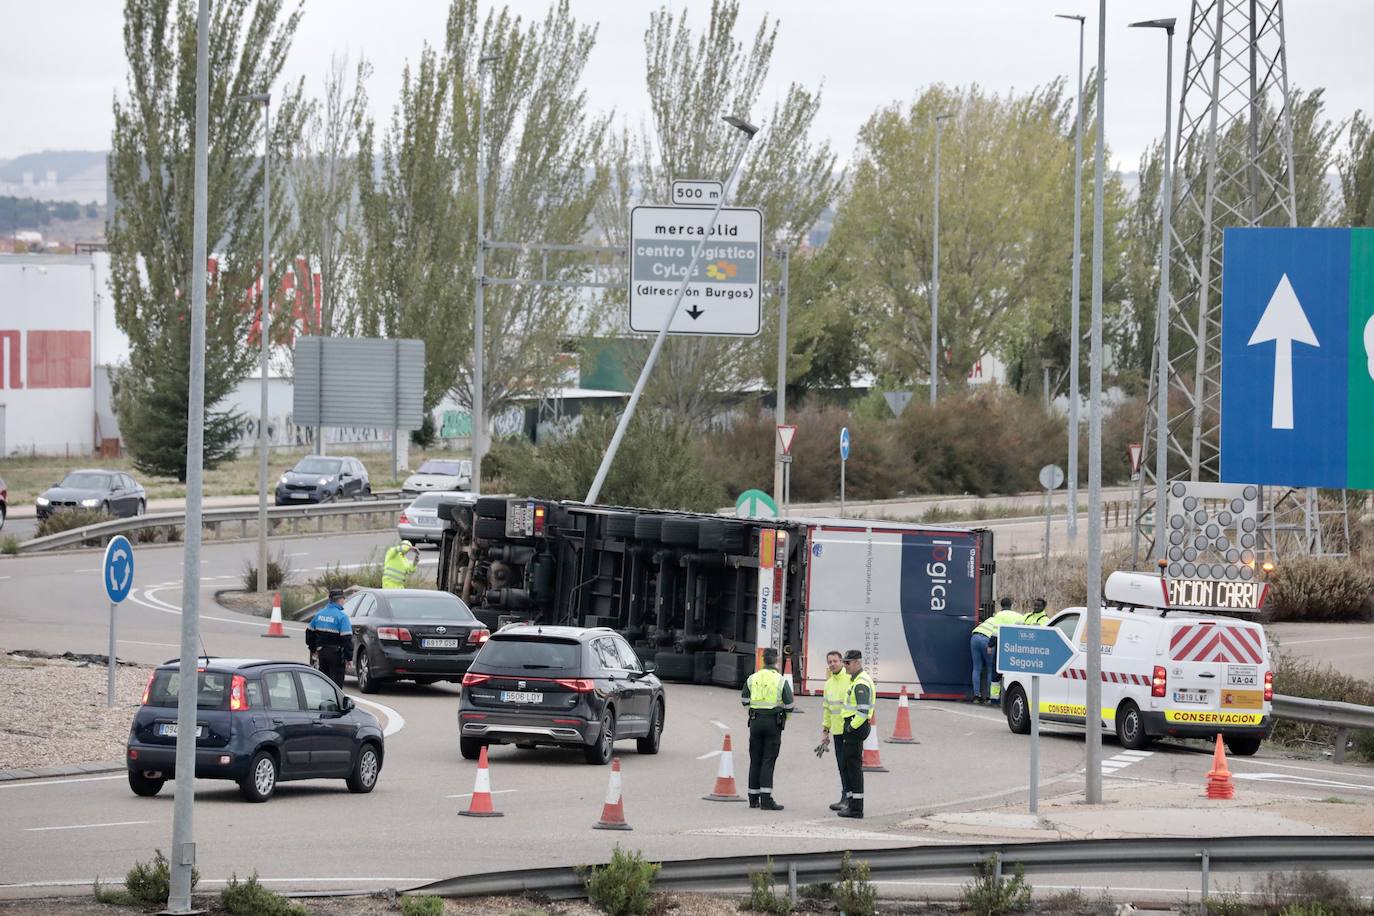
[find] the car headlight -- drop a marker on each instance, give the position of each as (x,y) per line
(282,479)
(42,500)
(90,503)
(324,481)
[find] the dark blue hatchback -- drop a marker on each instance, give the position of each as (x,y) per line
(257,723)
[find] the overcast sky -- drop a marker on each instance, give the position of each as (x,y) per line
(61,63)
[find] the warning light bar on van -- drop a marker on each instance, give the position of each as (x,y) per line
(1126,589)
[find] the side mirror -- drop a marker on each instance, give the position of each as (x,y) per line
(348,705)
(649,667)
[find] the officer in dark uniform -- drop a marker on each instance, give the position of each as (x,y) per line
(768,697)
(329,636)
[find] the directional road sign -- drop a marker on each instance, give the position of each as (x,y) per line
(844,443)
(1032,650)
(1297,357)
(1051,477)
(723,297)
(117,572)
(691,192)
(755,504)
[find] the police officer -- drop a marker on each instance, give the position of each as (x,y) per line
(401,560)
(832,718)
(768,697)
(981,646)
(1037,617)
(329,636)
(857,714)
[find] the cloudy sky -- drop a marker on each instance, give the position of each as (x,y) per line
(62,63)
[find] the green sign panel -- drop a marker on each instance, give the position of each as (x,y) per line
(755,504)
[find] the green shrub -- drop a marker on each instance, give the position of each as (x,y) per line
(622,887)
(1309,893)
(1313,588)
(991,895)
(278,573)
(9,545)
(762,898)
(421,906)
(249,898)
(1307,909)
(368,575)
(173,534)
(103,894)
(149,883)
(1301,677)
(67,519)
(293,599)
(853,893)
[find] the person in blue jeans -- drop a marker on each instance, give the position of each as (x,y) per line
(980,650)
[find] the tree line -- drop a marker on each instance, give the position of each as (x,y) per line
(385,209)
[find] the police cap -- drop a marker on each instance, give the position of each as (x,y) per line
(853,655)
(770,656)
(336,594)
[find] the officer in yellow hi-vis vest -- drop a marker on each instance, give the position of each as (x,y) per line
(832,718)
(982,645)
(1037,617)
(857,713)
(768,697)
(400,562)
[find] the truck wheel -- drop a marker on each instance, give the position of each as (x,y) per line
(1242,747)
(732,536)
(649,527)
(621,524)
(675,666)
(1130,727)
(489,529)
(1018,711)
(681,531)
(710,534)
(491,507)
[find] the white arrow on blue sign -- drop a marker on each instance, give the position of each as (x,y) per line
(1033,650)
(844,443)
(118,570)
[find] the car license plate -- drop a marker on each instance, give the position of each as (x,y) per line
(169,730)
(1242,676)
(521,696)
(300,495)
(1190,696)
(438,644)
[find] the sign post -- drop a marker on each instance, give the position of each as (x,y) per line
(1039,652)
(117,572)
(844,457)
(1051,478)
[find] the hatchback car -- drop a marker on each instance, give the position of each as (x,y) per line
(562,686)
(439,474)
(420,522)
(111,492)
(411,633)
(320,479)
(257,723)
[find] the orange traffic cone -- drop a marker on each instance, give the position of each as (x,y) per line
(1219,784)
(724,790)
(481,805)
(873,761)
(613,812)
(901,734)
(274,627)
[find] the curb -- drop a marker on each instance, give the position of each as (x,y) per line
(71,769)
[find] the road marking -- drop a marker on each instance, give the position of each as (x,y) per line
(720,725)
(1287,766)
(394,720)
(85,826)
(158,604)
(1302,781)
(1308,642)
(139,642)
(86,570)
(492,792)
(40,781)
(709,755)
(1123,760)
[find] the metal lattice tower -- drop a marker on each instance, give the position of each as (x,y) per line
(1232,166)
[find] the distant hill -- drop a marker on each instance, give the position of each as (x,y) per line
(55,175)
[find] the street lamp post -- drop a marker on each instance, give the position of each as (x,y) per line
(479,318)
(1074,333)
(264,326)
(935,273)
(1166,197)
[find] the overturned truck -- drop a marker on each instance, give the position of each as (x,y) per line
(701,596)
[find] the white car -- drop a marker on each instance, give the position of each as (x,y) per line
(439,474)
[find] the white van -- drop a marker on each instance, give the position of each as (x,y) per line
(1164,671)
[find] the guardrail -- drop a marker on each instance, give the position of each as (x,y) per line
(215,520)
(1343,717)
(1185,854)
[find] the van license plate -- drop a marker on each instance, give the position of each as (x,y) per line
(1242,676)
(438,644)
(520,696)
(1190,696)
(169,730)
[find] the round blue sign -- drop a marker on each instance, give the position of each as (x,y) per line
(118,570)
(844,443)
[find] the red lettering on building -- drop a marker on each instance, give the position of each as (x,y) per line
(9,356)
(59,359)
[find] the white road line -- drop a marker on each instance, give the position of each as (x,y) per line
(139,642)
(40,781)
(1286,766)
(1308,642)
(1139,755)
(97,569)
(85,826)
(708,756)
(720,725)
(394,720)
(493,792)
(1302,781)
(157,604)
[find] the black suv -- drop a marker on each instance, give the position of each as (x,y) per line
(257,722)
(561,686)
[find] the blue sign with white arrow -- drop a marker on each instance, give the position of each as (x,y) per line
(117,572)
(844,443)
(1032,650)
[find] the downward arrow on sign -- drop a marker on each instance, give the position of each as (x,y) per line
(1285,323)
(695,312)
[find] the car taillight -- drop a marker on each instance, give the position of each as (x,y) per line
(1268,686)
(477,637)
(148,688)
(238,693)
(397,633)
(538,520)
(576,684)
(403,520)
(1159,683)
(472,680)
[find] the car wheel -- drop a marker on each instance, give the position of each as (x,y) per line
(1242,747)
(140,509)
(650,742)
(1130,727)
(2,515)
(261,779)
(144,786)
(362,670)
(367,489)
(598,753)
(470,748)
(366,770)
(1018,711)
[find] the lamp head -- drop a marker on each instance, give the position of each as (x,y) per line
(1074,16)
(1165,24)
(263,97)
(741,125)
